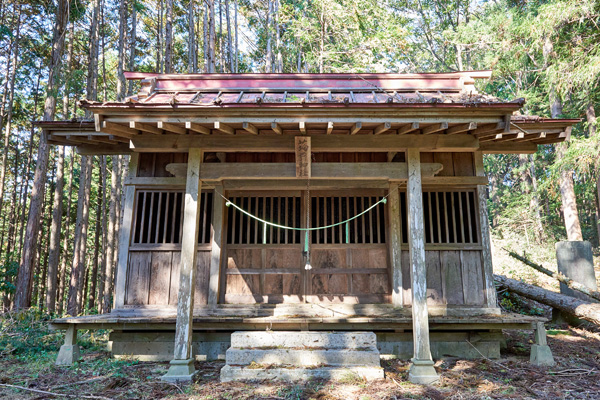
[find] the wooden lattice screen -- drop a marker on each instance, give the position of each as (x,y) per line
(369,228)
(449,217)
(159,217)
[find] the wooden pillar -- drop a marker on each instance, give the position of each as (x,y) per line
(125,235)
(182,365)
(216,247)
(394,244)
(421,370)
(486,242)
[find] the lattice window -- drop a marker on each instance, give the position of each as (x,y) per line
(449,217)
(328,210)
(159,217)
(285,210)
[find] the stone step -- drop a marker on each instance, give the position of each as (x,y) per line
(303,357)
(304,340)
(234,373)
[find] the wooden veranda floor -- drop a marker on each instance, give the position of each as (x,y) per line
(372,317)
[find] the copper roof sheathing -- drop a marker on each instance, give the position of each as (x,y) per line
(337,104)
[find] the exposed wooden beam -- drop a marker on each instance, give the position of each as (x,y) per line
(319,143)
(489,130)
(107,149)
(329,127)
(461,128)
(382,128)
(98,122)
(219,171)
(508,148)
(111,128)
(118,139)
(197,128)
(357,127)
(302,127)
(276,128)
(535,136)
(145,127)
(408,128)
(248,127)
(395,253)
(428,130)
(223,128)
(171,128)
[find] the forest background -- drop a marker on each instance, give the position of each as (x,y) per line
(57,246)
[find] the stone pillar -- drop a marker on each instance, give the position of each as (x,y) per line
(421,371)
(182,365)
(69,352)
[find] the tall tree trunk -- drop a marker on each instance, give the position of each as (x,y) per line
(78,269)
(111,238)
(24,278)
(269,52)
(11,97)
(66,240)
(159,55)
(169,37)
(97,242)
(590,114)
(54,252)
(567,191)
(210,48)
(237,48)
(529,183)
(121,83)
(132,44)
(192,56)
(229,41)
(102,278)
(221,63)
(279,61)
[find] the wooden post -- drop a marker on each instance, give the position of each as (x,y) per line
(182,365)
(125,236)
(394,244)
(486,242)
(421,370)
(216,248)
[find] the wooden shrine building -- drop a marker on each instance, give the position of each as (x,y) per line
(212,156)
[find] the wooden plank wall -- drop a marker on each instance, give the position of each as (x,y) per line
(454,277)
(153,278)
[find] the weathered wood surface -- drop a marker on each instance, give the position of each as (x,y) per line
(125,231)
(185,298)
(392,171)
(595,294)
(216,247)
(416,242)
(294,317)
(486,241)
(303,157)
(395,240)
(578,308)
(334,143)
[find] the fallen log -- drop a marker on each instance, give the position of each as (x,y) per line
(557,275)
(587,311)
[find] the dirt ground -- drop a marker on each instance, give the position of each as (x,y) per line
(97,376)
